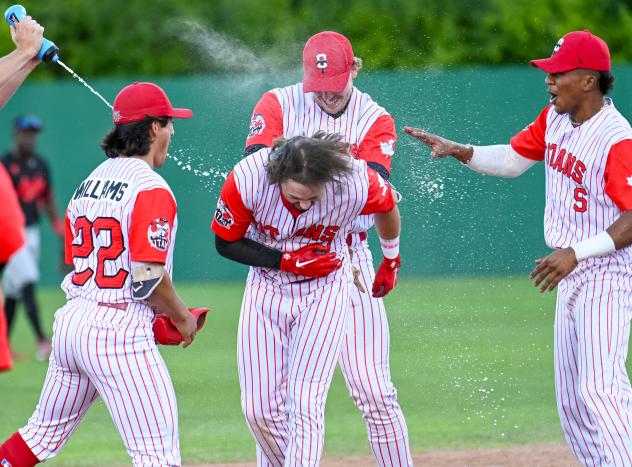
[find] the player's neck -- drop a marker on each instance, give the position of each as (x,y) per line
(588,109)
(147,158)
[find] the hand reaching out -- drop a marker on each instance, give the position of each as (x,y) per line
(441,147)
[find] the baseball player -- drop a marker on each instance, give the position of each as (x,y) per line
(286,212)
(31,179)
(586,147)
(120,232)
(327,100)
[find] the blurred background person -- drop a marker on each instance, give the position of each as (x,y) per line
(31,179)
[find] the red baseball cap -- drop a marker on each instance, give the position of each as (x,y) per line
(577,49)
(141,100)
(327,61)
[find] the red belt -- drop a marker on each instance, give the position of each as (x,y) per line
(361,235)
(118,306)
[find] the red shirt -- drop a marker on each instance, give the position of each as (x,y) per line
(11,218)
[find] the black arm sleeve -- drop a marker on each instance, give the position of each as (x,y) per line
(379,168)
(249,252)
(253,148)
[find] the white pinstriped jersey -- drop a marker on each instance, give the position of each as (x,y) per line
(365,125)
(252,207)
(123,212)
(588,177)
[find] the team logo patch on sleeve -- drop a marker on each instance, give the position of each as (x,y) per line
(388,147)
(257,125)
(158,234)
(223,216)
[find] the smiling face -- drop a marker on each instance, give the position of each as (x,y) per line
(335,102)
(301,197)
(332,102)
(569,90)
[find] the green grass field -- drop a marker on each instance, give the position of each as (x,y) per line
(472,359)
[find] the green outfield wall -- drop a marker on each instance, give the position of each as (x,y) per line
(455,222)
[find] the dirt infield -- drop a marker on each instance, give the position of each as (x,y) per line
(536,455)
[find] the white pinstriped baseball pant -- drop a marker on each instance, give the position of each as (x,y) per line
(288,342)
(594,398)
(107,352)
(364,361)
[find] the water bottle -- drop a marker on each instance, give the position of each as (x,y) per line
(48,51)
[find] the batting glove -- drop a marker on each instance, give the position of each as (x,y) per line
(310,261)
(386,277)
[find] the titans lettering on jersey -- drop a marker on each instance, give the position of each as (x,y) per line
(318,233)
(588,169)
(123,212)
(569,166)
(251,207)
(113,190)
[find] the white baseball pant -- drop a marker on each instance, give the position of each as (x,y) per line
(108,352)
(364,361)
(594,398)
(289,340)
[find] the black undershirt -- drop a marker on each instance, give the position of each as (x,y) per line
(249,252)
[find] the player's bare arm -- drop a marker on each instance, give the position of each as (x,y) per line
(166,299)
(388,226)
(16,66)
(551,269)
(621,231)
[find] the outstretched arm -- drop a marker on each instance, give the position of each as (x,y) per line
(497,160)
(16,66)
(442,147)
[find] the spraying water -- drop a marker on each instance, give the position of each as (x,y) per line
(215,51)
(82,81)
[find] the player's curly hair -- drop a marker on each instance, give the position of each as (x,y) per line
(130,139)
(606,82)
(311,161)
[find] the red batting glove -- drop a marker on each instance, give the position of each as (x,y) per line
(310,261)
(386,277)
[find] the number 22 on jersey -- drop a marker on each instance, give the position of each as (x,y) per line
(84,246)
